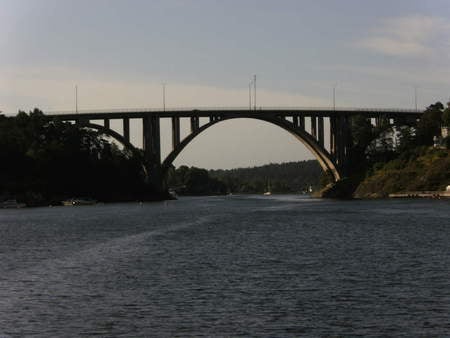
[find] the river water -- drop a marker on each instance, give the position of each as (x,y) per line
(251,266)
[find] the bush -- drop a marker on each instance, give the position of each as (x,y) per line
(446,142)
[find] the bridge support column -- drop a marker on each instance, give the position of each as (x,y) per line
(152,151)
(320,129)
(301,122)
(175,132)
(338,144)
(343,143)
(195,123)
(295,121)
(348,136)
(314,127)
(333,137)
(106,123)
(126,128)
(213,118)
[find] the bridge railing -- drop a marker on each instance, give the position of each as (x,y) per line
(231,109)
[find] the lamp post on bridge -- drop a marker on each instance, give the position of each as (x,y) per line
(250,95)
(254,91)
(76,99)
(415,96)
(164,96)
(252,83)
(334,96)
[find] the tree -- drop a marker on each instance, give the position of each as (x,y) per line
(56,160)
(406,138)
(446,116)
(429,124)
(362,132)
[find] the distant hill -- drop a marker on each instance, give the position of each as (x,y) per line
(291,177)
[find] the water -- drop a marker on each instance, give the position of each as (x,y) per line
(279,266)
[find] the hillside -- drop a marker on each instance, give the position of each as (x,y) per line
(291,177)
(422,169)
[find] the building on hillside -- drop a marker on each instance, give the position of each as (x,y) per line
(445,132)
(441,140)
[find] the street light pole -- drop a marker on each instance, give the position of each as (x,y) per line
(415,97)
(250,95)
(164,96)
(254,91)
(334,96)
(76,99)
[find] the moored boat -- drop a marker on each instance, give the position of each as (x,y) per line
(268,192)
(12,204)
(79,201)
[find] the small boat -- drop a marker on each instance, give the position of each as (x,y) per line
(12,204)
(173,193)
(79,201)
(268,191)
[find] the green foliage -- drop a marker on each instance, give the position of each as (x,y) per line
(430,124)
(362,132)
(374,150)
(290,177)
(370,144)
(406,138)
(418,169)
(446,142)
(194,181)
(446,116)
(44,161)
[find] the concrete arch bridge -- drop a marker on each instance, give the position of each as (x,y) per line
(325,132)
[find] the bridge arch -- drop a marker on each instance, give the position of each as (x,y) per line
(119,138)
(321,154)
(115,135)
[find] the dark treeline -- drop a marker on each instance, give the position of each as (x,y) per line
(293,177)
(194,181)
(44,161)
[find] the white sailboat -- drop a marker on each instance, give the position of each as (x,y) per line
(268,191)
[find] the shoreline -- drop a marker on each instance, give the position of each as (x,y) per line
(422,194)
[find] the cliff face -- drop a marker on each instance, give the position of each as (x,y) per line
(423,169)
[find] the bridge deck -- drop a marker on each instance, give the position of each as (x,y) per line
(234,112)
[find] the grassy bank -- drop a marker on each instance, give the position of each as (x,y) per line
(420,169)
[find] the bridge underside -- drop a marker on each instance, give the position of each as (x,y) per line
(327,134)
(294,127)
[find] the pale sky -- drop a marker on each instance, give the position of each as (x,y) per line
(119,53)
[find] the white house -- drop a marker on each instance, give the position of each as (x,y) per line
(445,132)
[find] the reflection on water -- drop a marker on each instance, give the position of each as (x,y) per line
(227,266)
